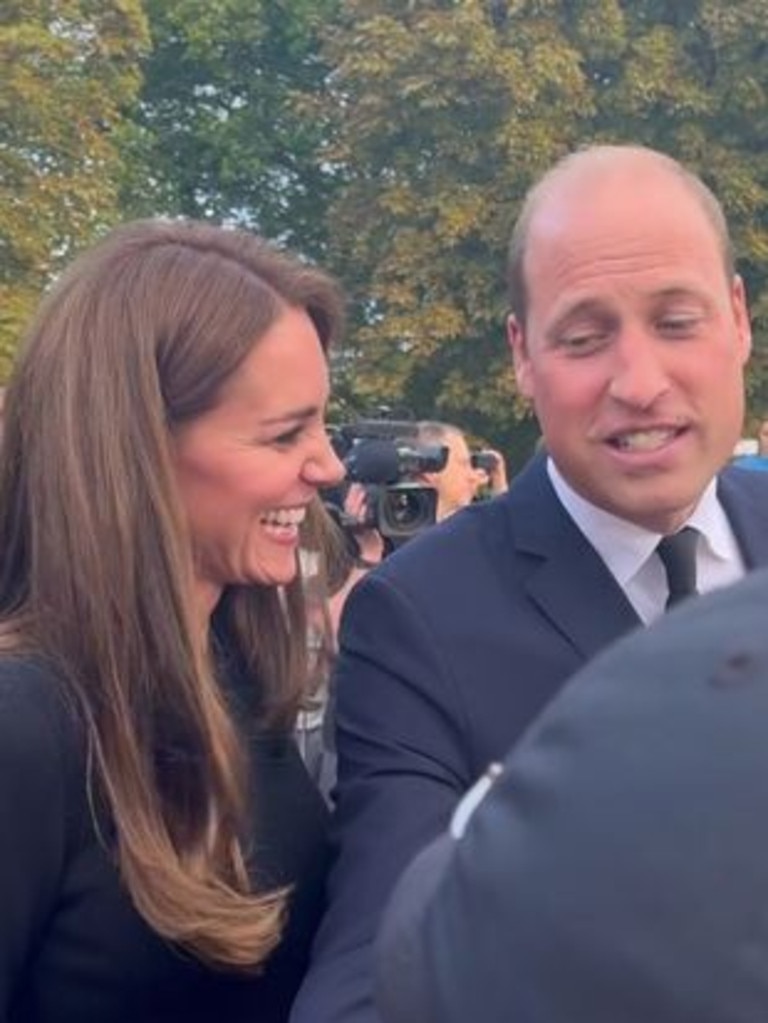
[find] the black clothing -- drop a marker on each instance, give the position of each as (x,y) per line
(72,947)
(678,556)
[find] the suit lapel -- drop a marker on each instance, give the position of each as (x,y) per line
(564,575)
(566,578)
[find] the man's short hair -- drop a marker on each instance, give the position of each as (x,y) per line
(431,431)
(518,244)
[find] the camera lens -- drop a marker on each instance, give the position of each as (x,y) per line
(406,508)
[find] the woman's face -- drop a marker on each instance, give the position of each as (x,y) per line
(248,468)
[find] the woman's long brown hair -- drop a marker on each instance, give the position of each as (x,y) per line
(95,560)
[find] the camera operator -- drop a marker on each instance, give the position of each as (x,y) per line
(464,475)
(402,477)
(387,458)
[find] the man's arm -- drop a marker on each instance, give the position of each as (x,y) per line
(402,769)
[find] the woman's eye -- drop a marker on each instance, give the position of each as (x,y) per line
(289,437)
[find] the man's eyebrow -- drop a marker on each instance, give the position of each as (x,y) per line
(596,307)
(681,291)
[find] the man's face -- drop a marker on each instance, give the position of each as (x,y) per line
(634,344)
(458,482)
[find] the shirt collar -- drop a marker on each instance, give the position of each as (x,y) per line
(624,546)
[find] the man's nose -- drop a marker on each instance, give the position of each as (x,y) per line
(639,376)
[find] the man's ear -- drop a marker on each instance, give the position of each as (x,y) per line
(522,363)
(740,309)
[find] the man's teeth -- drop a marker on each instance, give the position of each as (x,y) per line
(285,517)
(643,440)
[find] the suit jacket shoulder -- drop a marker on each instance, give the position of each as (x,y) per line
(744,495)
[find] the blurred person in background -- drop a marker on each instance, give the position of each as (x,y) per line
(457,483)
(758,460)
(162,848)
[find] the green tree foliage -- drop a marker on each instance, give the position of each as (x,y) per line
(222,132)
(445,113)
(67,72)
(421,122)
(692,79)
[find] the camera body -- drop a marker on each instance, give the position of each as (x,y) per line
(385,457)
(485,460)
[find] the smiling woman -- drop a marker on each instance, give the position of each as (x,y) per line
(161,847)
(248,468)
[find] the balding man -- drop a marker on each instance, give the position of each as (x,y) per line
(630,333)
(457,483)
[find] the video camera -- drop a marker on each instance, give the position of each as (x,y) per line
(385,457)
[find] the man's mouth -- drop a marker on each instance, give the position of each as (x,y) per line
(644,440)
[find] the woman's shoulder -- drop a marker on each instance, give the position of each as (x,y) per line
(30,681)
(38,717)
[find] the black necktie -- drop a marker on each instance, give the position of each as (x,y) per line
(678,555)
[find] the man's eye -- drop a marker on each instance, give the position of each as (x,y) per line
(678,326)
(583,344)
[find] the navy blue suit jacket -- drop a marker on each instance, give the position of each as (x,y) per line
(448,651)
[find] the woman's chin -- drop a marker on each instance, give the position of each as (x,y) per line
(273,575)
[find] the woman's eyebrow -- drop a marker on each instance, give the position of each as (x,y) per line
(292,416)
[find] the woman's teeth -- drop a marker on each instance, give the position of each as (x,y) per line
(284,517)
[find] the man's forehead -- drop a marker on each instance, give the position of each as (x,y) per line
(456,441)
(620,215)
(603,163)
(621,184)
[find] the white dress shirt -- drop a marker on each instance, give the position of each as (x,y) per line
(629,551)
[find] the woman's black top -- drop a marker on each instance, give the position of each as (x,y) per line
(72,947)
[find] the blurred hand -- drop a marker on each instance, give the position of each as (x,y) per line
(494,479)
(370,542)
(497,478)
